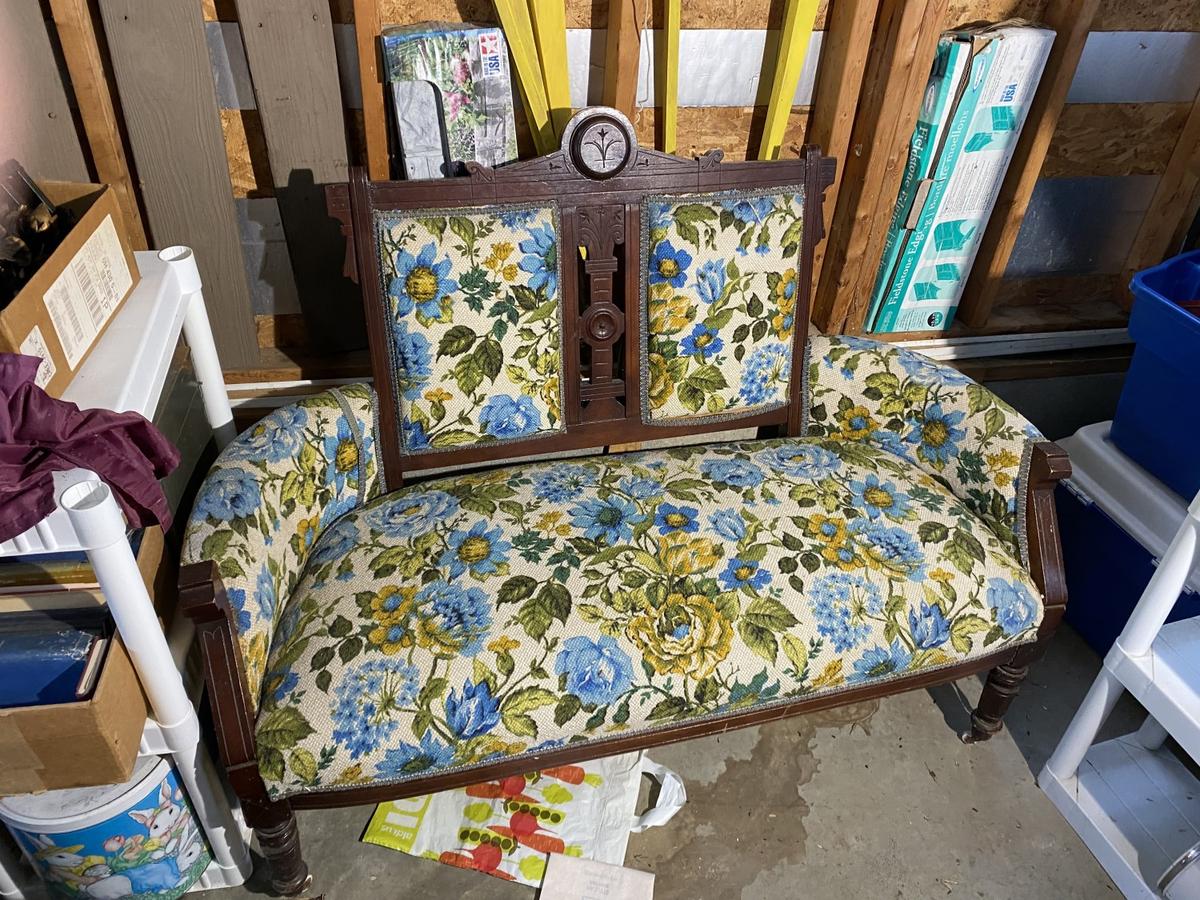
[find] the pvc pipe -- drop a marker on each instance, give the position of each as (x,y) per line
(1162,592)
(98,522)
(198,331)
(1089,718)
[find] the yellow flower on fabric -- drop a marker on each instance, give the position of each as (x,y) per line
(669,314)
(345,457)
(941,575)
(503,644)
(687,636)
(350,775)
(438,395)
(683,555)
(832,533)
(784,295)
(831,675)
(501,251)
(391,608)
(661,386)
(1000,466)
(552,523)
(307,530)
(856,423)
(509,272)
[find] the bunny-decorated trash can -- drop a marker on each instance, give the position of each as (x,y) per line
(138,839)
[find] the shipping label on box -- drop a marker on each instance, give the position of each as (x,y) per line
(978,94)
(452,97)
(68,302)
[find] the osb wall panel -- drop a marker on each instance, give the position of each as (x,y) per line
(1056,289)
(1114,139)
(734,129)
(1147,15)
(246,151)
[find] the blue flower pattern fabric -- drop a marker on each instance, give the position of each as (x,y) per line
(476,324)
(479,616)
(268,497)
(932,415)
(719,303)
(488,615)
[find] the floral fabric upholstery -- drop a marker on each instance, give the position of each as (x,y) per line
(485,616)
(269,496)
(718,303)
(933,416)
(474,306)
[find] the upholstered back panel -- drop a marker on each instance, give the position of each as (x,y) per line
(536,308)
(719,293)
(475,323)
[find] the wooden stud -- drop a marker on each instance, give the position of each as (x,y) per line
(670,82)
(38,130)
(1173,205)
(622,54)
(164,76)
(294,69)
(835,96)
(794,38)
(1072,21)
(550,35)
(906,34)
(367,28)
(77,33)
(522,49)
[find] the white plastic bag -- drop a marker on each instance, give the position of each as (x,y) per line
(506,828)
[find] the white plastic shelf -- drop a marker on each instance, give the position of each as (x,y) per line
(125,372)
(1166,681)
(1137,810)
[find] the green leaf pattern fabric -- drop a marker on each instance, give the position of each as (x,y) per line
(718,303)
(483,616)
(268,497)
(476,323)
(932,415)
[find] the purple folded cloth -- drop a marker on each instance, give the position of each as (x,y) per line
(40,435)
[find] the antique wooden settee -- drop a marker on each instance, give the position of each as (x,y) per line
(369,634)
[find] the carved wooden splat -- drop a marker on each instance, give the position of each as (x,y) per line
(602,322)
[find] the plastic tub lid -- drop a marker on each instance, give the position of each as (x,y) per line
(1145,508)
(67,810)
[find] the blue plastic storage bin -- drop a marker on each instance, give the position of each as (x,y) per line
(1158,417)
(1115,521)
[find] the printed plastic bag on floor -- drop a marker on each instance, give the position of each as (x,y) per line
(507,827)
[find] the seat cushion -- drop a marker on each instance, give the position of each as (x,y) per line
(488,615)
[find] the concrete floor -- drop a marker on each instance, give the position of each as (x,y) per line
(878,800)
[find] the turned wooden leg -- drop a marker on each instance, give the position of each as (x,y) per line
(280,844)
(1003,683)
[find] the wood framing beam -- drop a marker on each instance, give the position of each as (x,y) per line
(622,50)
(550,35)
(798,19)
(835,96)
(902,49)
(164,75)
(80,40)
(523,51)
(1072,20)
(367,27)
(1172,208)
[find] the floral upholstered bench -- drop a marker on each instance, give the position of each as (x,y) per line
(891,527)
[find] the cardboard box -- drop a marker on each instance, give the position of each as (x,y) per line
(979,91)
(71,299)
(452,96)
(81,744)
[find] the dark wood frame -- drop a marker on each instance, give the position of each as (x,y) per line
(601,409)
